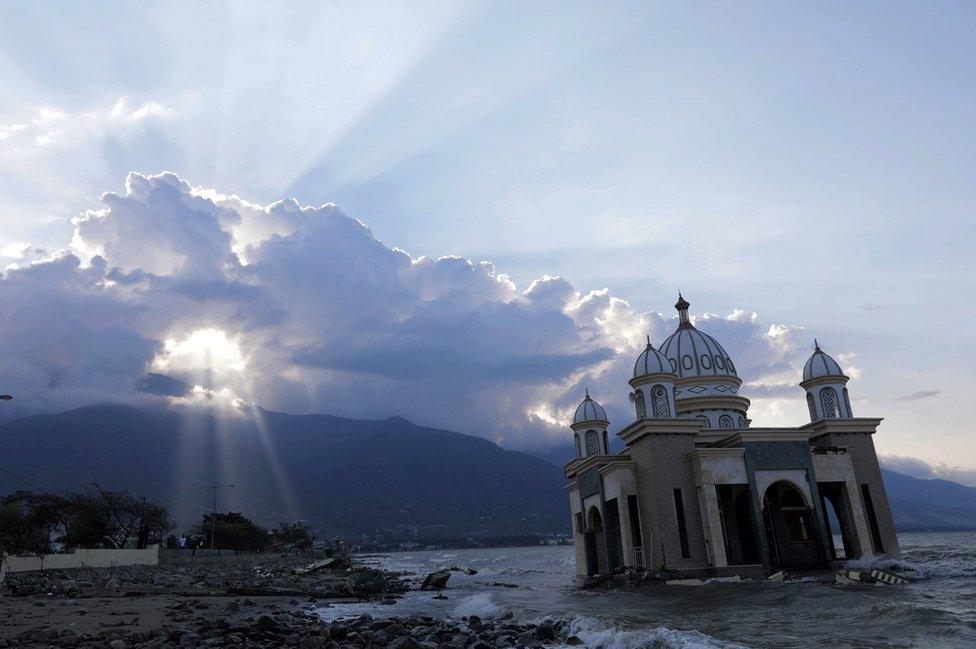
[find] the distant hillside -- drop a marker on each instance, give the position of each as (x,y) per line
(346,476)
(919,504)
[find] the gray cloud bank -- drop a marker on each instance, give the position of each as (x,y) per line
(917,468)
(302,309)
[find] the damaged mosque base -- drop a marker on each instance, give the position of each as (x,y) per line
(699,493)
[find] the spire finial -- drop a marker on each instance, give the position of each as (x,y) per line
(682,306)
(587,393)
(816,345)
(648,340)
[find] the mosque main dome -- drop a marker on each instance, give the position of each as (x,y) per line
(694,353)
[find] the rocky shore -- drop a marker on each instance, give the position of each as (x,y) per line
(267,601)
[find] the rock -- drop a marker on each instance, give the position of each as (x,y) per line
(395,630)
(436,580)
(405,642)
(776,576)
(117,644)
(545,632)
(573,641)
(266,623)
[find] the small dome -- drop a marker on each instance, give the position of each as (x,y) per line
(821,364)
(589,410)
(694,353)
(651,361)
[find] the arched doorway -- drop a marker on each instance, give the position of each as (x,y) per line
(596,543)
(790,528)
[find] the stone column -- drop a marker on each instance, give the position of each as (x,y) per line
(712,525)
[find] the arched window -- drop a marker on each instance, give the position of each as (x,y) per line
(812,406)
(638,398)
(725,422)
(592,443)
(579,448)
(847,402)
(659,401)
(828,400)
(704,420)
(742,422)
(606,444)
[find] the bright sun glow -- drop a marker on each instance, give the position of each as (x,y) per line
(202,349)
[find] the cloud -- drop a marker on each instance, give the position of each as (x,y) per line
(302,309)
(917,468)
(919,395)
(52,126)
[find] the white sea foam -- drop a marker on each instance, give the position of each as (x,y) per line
(481,605)
(597,634)
(869,563)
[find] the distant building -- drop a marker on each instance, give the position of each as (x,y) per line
(698,491)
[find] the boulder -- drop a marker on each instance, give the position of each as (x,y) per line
(405,642)
(436,580)
(545,632)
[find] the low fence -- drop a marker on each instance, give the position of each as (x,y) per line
(81,558)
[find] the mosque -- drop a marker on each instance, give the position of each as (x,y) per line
(698,492)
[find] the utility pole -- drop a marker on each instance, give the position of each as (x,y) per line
(213,515)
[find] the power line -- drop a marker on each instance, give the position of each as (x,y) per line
(25,481)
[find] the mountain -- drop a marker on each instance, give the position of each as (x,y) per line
(344,476)
(923,504)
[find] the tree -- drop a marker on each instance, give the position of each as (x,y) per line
(234,531)
(29,522)
(297,535)
(25,525)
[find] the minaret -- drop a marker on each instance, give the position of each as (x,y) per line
(826,387)
(590,426)
(653,383)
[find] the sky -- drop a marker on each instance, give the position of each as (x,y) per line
(469,213)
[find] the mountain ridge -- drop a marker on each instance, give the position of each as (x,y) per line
(345,476)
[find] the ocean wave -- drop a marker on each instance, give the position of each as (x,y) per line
(596,634)
(871,563)
(480,604)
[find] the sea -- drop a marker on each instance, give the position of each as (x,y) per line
(938,609)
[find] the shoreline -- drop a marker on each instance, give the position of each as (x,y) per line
(250,601)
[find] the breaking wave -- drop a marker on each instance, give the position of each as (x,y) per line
(595,634)
(481,605)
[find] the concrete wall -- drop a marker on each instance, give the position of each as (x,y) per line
(663,465)
(84,558)
(864,459)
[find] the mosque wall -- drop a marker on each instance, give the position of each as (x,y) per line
(663,467)
(867,471)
